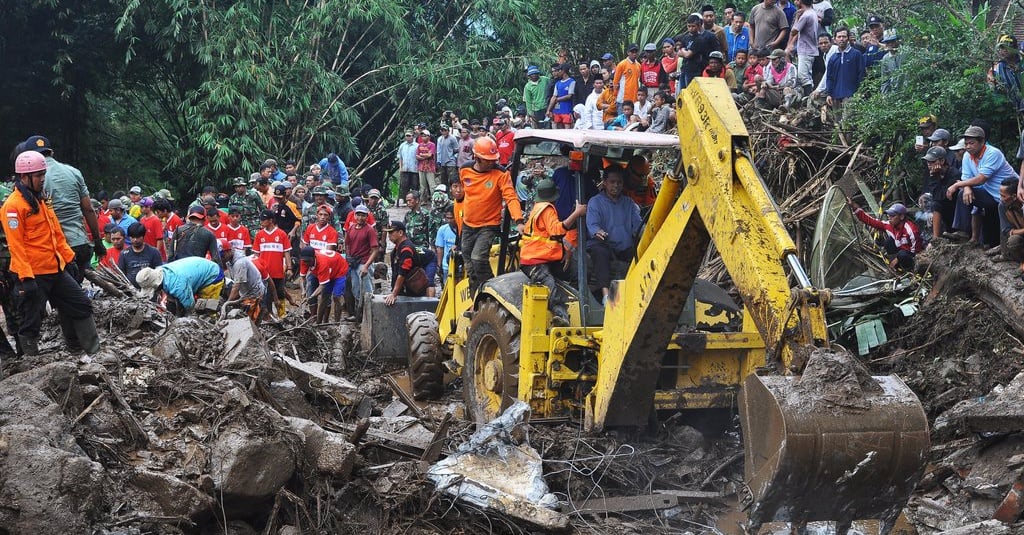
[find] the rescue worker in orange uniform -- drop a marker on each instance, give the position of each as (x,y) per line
(486,184)
(542,251)
(41,258)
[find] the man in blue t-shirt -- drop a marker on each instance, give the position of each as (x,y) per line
(560,106)
(984,169)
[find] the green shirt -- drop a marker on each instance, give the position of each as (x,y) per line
(534,93)
(417,228)
(66,188)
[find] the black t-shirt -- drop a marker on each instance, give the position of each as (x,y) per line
(131,263)
(284,217)
(703,43)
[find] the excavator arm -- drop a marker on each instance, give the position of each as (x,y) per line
(821,415)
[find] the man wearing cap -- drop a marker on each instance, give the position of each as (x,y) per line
(542,250)
(118,215)
(627,76)
(193,238)
(1006,75)
(939,177)
(874,50)
(607,67)
(533,96)
(139,255)
(737,35)
(417,222)
(135,194)
(426,162)
(274,247)
(983,169)
(329,270)
(248,203)
(902,242)
(941,138)
(925,128)
(652,76)
(362,248)
(697,44)
(185,280)
(404,266)
(447,150)
(154,227)
(780,82)
(286,214)
(42,262)
(768,25)
(716,69)
(485,185)
(710,19)
(333,167)
(69,197)
(379,212)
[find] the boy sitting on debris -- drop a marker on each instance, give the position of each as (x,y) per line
(902,242)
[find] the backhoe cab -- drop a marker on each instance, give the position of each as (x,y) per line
(823,439)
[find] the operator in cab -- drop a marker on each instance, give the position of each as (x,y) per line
(613,225)
(542,247)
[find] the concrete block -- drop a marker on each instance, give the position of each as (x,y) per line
(383,333)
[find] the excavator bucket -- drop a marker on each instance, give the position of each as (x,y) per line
(834,444)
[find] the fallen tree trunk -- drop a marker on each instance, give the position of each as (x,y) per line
(960,268)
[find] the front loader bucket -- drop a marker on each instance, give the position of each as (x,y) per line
(834,444)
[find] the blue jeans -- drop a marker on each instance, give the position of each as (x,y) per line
(361,285)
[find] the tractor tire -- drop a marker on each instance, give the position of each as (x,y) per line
(426,369)
(491,371)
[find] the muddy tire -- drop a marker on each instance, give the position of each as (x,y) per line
(491,372)
(426,369)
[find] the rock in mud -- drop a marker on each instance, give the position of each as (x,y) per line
(328,452)
(160,494)
(250,464)
(59,381)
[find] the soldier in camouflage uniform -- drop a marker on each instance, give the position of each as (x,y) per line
(417,223)
(439,202)
(379,211)
(7,280)
(249,204)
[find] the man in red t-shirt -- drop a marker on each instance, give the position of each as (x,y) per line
(329,269)
(214,224)
(154,227)
(321,236)
(237,234)
(506,146)
(273,244)
(170,220)
(362,248)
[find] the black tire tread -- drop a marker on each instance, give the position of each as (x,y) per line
(426,369)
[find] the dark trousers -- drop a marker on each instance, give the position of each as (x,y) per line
(83,259)
(408,181)
(63,293)
(904,258)
(476,243)
(989,208)
(601,256)
(547,275)
(447,174)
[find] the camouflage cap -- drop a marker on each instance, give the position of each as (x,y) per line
(240,181)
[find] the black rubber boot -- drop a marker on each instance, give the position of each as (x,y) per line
(29,345)
(67,328)
(85,328)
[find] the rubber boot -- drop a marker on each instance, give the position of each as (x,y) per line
(67,328)
(29,345)
(281,310)
(85,328)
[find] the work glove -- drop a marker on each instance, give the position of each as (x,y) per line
(99,249)
(27,288)
(72,269)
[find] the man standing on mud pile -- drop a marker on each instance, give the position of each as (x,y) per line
(41,259)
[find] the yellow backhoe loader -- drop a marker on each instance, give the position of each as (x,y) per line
(824,440)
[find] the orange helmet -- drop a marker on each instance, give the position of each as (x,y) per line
(485,148)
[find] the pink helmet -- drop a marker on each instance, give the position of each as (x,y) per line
(29,161)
